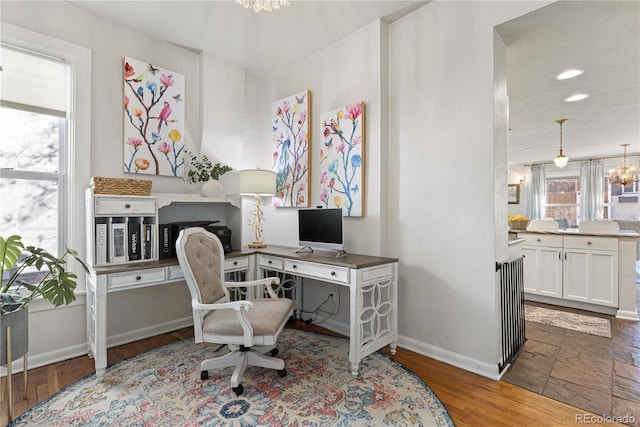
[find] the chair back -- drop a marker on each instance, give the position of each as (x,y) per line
(201,258)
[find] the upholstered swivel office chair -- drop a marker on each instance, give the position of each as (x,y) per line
(250,328)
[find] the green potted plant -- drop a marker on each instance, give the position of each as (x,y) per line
(203,170)
(49,279)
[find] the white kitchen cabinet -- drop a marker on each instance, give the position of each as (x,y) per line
(590,270)
(543,264)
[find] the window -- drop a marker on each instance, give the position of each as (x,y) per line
(563,199)
(33,144)
(621,202)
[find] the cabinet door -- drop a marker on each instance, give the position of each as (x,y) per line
(591,276)
(543,270)
(576,275)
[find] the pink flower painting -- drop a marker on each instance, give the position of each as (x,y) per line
(153,119)
(290,147)
(342,159)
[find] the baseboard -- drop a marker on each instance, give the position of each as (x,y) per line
(78,350)
(627,315)
(437,353)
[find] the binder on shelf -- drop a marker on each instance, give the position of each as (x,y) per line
(167,234)
(101,244)
(118,242)
(133,240)
(147,239)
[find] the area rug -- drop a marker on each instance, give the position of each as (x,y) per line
(163,388)
(573,321)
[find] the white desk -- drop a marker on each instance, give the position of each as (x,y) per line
(372,282)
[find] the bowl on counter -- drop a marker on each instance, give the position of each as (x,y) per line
(518,224)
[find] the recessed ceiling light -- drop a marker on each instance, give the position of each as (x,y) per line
(576,97)
(569,74)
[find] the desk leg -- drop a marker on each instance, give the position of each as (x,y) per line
(355,326)
(97,322)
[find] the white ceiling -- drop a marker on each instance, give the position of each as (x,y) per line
(264,43)
(601,37)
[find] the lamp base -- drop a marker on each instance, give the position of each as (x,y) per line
(257,245)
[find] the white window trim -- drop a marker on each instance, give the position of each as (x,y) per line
(79,127)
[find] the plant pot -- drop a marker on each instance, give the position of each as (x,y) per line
(19,322)
(212,188)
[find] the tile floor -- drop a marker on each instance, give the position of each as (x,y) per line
(600,375)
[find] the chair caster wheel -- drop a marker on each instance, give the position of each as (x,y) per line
(282,372)
(238,390)
(204,375)
(274,352)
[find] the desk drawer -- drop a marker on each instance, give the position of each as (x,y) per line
(174,272)
(591,242)
(240,263)
(320,272)
(120,206)
(135,278)
(270,262)
(541,239)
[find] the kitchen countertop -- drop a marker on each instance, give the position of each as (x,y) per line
(577,232)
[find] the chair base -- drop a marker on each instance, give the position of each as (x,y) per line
(242,359)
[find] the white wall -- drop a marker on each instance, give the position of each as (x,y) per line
(144,312)
(429,111)
(443,193)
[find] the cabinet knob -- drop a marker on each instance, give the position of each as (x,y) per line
(270,262)
(588,243)
(127,205)
(537,240)
(235,262)
(333,273)
(138,277)
(294,266)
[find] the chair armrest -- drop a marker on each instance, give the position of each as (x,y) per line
(234,305)
(240,307)
(266,282)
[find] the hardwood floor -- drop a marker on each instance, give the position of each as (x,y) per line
(472,400)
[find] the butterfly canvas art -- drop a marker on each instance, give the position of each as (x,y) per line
(290,139)
(153,119)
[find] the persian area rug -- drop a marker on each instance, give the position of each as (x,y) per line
(573,321)
(163,388)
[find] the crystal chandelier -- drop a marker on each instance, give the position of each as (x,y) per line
(561,160)
(625,173)
(266,5)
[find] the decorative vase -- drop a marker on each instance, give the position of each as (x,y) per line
(212,188)
(19,322)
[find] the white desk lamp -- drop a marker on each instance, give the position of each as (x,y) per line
(258,183)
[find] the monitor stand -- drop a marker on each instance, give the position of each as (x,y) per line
(304,249)
(341,253)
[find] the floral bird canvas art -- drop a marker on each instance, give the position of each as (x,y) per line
(153,119)
(341,159)
(290,142)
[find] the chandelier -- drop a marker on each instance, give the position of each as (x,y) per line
(561,160)
(266,5)
(626,173)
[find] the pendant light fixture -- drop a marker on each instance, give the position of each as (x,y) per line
(266,5)
(561,160)
(626,173)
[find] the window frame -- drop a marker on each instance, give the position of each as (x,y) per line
(79,135)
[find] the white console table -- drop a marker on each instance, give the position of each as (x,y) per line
(372,283)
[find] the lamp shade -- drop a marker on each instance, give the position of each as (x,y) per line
(257,182)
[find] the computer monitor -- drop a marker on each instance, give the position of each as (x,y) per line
(321,229)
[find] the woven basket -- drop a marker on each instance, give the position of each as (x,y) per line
(519,224)
(124,186)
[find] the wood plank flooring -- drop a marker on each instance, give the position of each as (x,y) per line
(472,400)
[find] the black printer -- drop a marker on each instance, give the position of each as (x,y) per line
(168,234)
